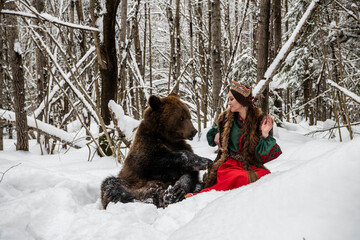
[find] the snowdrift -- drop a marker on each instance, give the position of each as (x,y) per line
(312,193)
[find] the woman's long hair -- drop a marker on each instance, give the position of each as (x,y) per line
(251,137)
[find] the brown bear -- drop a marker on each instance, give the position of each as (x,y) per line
(160,167)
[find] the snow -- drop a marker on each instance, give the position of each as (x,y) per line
(126,124)
(17,47)
(312,193)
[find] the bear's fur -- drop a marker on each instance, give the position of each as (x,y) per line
(160,167)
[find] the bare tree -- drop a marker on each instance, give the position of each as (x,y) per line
(216,53)
(201,59)
(40,59)
(150,48)
(277,34)
(263,37)
(140,98)
(122,49)
(16,64)
(177,54)
(1,83)
(107,58)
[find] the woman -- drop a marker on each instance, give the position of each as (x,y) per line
(243,134)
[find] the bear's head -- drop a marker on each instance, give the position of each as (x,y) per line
(170,118)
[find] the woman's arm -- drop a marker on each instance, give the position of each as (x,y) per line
(213,136)
(267,148)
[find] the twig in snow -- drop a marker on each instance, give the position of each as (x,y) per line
(3,173)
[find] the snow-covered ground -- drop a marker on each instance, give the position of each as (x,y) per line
(312,193)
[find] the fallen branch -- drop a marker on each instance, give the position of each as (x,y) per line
(329,129)
(44,128)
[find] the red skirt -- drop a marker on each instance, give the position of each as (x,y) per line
(232,175)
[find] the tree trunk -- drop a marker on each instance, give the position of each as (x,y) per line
(227,37)
(341,72)
(122,49)
(236,24)
(17,71)
(150,48)
(263,36)
(252,27)
(80,14)
(41,65)
(307,85)
(106,52)
(1,83)
(201,55)
(192,68)
(177,49)
(288,105)
(170,18)
(138,56)
(276,6)
(145,41)
(216,53)
(40,59)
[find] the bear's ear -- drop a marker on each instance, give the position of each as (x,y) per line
(155,102)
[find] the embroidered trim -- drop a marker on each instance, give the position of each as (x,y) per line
(238,87)
(189,195)
(235,155)
(273,153)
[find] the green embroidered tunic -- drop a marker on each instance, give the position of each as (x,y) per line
(262,149)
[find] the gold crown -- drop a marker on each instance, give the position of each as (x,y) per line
(238,87)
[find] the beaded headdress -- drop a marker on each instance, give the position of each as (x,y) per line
(238,87)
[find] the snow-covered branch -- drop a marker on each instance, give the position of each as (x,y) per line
(45,128)
(285,50)
(49,18)
(68,75)
(80,94)
(348,93)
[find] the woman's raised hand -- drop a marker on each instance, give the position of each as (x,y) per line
(266,126)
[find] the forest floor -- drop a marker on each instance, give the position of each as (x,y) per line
(312,193)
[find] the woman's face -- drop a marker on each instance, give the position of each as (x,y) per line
(234,105)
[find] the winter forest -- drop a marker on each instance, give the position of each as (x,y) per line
(65,60)
(76,76)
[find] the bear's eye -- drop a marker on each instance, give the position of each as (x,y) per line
(182,119)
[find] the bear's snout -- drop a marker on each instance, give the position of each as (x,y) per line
(193,133)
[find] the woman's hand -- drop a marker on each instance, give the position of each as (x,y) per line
(217,139)
(266,126)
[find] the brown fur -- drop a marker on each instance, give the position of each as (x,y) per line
(156,158)
(157,127)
